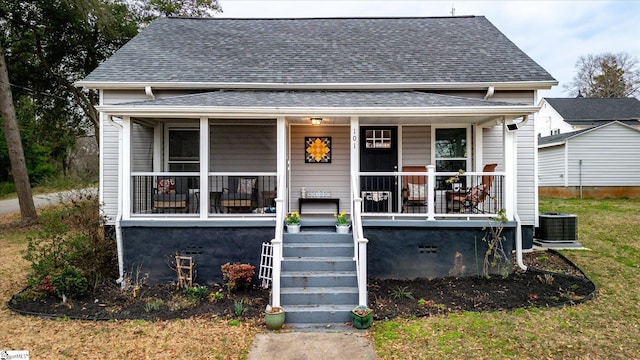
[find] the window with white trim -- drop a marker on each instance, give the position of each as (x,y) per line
(451,153)
(184,149)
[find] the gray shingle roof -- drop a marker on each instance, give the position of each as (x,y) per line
(326,99)
(330,50)
(594,111)
(559,137)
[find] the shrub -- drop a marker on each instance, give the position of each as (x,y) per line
(214,297)
(69,283)
(195,293)
(72,236)
(238,276)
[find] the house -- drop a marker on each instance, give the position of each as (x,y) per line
(563,115)
(597,162)
(214,129)
(585,167)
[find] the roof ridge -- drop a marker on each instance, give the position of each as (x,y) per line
(329,18)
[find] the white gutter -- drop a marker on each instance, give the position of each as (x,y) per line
(198,111)
(163,85)
(119,213)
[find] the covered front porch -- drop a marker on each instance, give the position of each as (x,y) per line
(202,159)
(224,177)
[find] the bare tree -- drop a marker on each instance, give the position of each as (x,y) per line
(14,146)
(606,75)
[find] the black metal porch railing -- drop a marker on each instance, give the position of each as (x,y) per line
(165,194)
(407,193)
(242,193)
(176,193)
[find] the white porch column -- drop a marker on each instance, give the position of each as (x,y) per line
(510,150)
(355,156)
(204,168)
(157,147)
(477,148)
(126,167)
(281,165)
(281,196)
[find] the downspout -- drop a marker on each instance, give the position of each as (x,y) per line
(489,93)
(119,213)
(149,92)
(519,242)
(516,217)
(580,176)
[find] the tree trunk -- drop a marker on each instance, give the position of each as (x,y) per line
(14,146)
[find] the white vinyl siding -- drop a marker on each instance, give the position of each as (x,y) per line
(111,153)
(416,145)
(551,166)
(110,150)
(609,157)
(331,177)
(141,148)
(526,184)
(492,147)
(109,182)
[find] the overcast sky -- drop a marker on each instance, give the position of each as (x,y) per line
(553,33)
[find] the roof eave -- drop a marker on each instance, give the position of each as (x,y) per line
(552,144)
(515,85)
(510,112)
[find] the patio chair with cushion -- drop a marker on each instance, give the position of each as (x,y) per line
(171,194)
(414,189)
(473,198)
(241,195)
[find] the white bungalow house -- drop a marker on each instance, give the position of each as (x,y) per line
(564,115)
(587,147)
(214,129)
(597,162)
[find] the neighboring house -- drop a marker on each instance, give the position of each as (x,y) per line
(212,129)
(579,156)
(563,115)
(598,162)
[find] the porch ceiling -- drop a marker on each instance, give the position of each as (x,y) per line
(298,106)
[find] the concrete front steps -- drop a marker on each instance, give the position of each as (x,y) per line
(318,281)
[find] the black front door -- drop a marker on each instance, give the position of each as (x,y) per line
(379,153)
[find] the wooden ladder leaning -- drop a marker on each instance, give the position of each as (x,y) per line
(184,267)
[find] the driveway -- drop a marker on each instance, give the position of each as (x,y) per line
(11,205)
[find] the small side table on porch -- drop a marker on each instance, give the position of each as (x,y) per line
(319,200)
(452,205)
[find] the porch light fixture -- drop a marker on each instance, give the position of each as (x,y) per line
(316,121)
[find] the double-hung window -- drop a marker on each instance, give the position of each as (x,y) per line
(184,149)
(451,153)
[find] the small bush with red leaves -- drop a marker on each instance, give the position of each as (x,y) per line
(46,285)
(237,275)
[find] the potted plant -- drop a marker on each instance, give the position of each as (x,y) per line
(293,222)
(362,317)
(456,185)
(274,317)
(342,222)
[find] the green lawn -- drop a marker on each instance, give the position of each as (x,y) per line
(607,327)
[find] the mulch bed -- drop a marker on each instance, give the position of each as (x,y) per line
(551,280)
